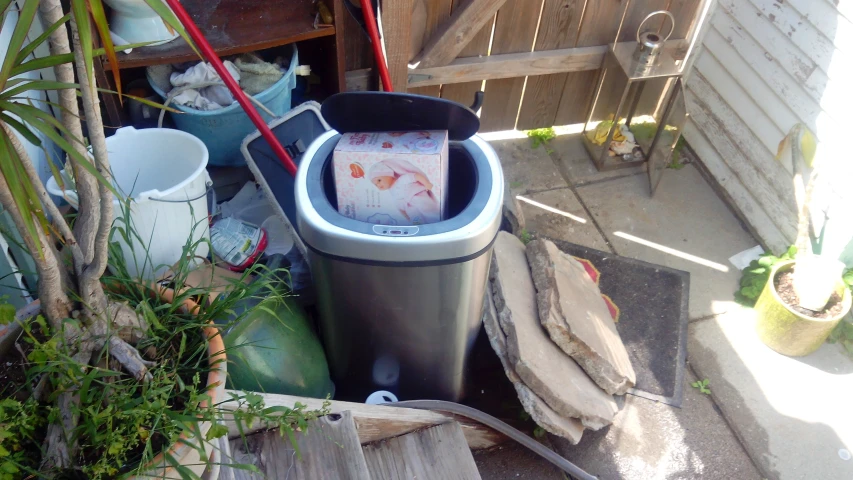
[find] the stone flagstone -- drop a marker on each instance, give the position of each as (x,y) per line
(569,428)
(576,317)
(542,366)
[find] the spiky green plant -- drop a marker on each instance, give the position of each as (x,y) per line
(83,348)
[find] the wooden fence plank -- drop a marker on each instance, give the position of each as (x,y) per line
(478,46)
(359,54)
(510,65)
(396,19)
(448,40)
(598,27)
(435,13)
(515,30)
(558,28)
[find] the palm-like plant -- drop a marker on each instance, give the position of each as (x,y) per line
(70,261)
(819,269)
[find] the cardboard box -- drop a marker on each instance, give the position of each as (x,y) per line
(392,178)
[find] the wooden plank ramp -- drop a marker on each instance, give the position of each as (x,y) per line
(329,448)
(436,452)
(373,422)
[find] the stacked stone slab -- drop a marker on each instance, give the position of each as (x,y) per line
(540,412)
(555,389)
(576,317)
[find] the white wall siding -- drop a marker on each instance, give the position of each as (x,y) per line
(764,66)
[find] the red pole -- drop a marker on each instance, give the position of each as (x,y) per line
(210,55)
(373,31)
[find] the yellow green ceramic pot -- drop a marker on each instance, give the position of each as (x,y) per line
(787,331)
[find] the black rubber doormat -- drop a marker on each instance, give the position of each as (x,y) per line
(652,302)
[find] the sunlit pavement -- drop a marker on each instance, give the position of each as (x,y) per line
(770,426)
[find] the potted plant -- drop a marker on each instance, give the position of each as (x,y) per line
(805,297)
(114,377)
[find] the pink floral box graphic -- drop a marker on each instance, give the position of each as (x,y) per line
(392,178)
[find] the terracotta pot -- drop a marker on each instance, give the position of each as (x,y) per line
(787,331)
(185,450)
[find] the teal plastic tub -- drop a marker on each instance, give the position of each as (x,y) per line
(223,130)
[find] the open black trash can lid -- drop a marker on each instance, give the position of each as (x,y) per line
(398,112)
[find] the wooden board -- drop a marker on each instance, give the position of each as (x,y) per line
(447,42)
(770,38)
(510,65)
(396,22)
(757,220)
(478,46)
(826,19)
(776,92)
(558,28)
(439,452)
(435,12)
(515,29)
(598,27)
(235,26)
(766,182)
(739,100)
(427,16)
(359,54)
(328,448)
(377,422)
(802,33)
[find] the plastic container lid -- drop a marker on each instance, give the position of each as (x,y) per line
(398,112)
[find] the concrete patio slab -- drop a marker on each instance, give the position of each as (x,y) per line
(570,222)
(651,440)
(684,226)
(792,414)
(576,164)
(512,461)
(527,169)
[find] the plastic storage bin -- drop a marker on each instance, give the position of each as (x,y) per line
(163,171)
(223,130)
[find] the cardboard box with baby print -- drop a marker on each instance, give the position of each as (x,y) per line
(392,178)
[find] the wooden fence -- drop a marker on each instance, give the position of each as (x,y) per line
(539,59)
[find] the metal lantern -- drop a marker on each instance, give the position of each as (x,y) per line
(638,111)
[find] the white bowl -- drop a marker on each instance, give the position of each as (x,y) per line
(136,22)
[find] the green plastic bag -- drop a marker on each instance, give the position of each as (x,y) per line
(274,350)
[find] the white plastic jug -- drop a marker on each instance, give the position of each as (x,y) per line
(163,171)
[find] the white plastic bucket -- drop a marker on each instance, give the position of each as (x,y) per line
(163,171)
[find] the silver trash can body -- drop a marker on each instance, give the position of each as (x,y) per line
(400,311)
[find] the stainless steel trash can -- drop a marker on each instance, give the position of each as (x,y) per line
(400,309)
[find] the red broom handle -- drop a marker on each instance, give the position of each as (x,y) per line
(210,55)
(370,23)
